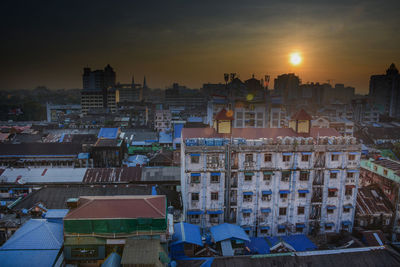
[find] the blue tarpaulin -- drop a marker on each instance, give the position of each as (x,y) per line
(108,133)
(228,231)
(178,130)
(154,190)
(165,138)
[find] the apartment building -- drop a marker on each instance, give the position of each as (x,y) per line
(270,181)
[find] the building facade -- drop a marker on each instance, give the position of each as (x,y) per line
(270,181)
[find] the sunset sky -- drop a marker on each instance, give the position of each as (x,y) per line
(194,42)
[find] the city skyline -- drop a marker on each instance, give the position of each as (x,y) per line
(49,44)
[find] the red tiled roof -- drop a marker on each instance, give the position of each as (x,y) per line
(223,115)
(301,115)
(119,207)
(255,133)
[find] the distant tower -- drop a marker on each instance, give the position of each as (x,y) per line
(133,81)
(144,83)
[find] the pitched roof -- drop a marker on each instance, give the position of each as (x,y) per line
(227,231)
(31,258)
(186,233)
(121,207)
(112,175)
(301,115)
(36,234)
(224,115)
(108,133)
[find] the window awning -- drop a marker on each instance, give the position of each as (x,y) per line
(264,227)
(284,191)
(195,174)
(336,153)
(246,210)
(306,153)
(249,173)
(348,206)
(281,226)
(195,155)
(346,223)
(304,191)
(194,212)
(215,174)
(287,154)
(330,224)
(215,211)
(266,210)
(331,207)
(350,186)
(249,193)
(354,153)
(332,189)
(352,171)
(266,192)
(268,173)
(300,225)
(305,172)
(334,171)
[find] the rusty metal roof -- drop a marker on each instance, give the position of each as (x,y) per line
(389,164)
(372,201)
(119,207)
(113,175)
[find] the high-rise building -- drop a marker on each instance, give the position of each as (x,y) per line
(270,181)
(385,90)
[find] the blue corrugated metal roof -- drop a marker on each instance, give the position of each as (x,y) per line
(178,130)
(31,258)
(36,234)
(228,231)
(113,260)
(83,155)
(55,213)
(297,242)
(109,133)
(258,245)
(186,233)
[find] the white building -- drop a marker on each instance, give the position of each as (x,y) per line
(162,119)
(270,181)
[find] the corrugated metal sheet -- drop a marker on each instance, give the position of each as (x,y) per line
(31,258)
(55,213)
(112,175)
(109,133)
(52,175)
(36,234)
(113,260)
(227,231)
(186,233)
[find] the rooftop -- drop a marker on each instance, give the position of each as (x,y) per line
(372,201)
(39,149)
(122,207)
(112,175)
(108,133)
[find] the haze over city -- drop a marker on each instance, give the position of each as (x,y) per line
(48,43)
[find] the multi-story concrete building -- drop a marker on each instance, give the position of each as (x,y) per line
(162,119)
(270,181)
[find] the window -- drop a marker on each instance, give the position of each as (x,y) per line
(300,210)
(246,215)
(282,211)
(194,159)
(248,158)
(267,157)
(299,229)
(214,195)
(350,175)
(333,175)
(385,172)
(195,179)
(281,230)
(352,157)
(214,218)
(375,168)
(214,178)
(266,198)
(247,198)
(285,158)
(305,157)
(302,195)
(332,193)
(328,227)
(194,218)
(348,191)
(304,176)
(267,177)
(248,177)
(330,211)
(285,176)
(264,231)
(195,196)
(346,209)
(284,196)
(212,159)
(334,157)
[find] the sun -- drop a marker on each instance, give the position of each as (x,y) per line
(295,59)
